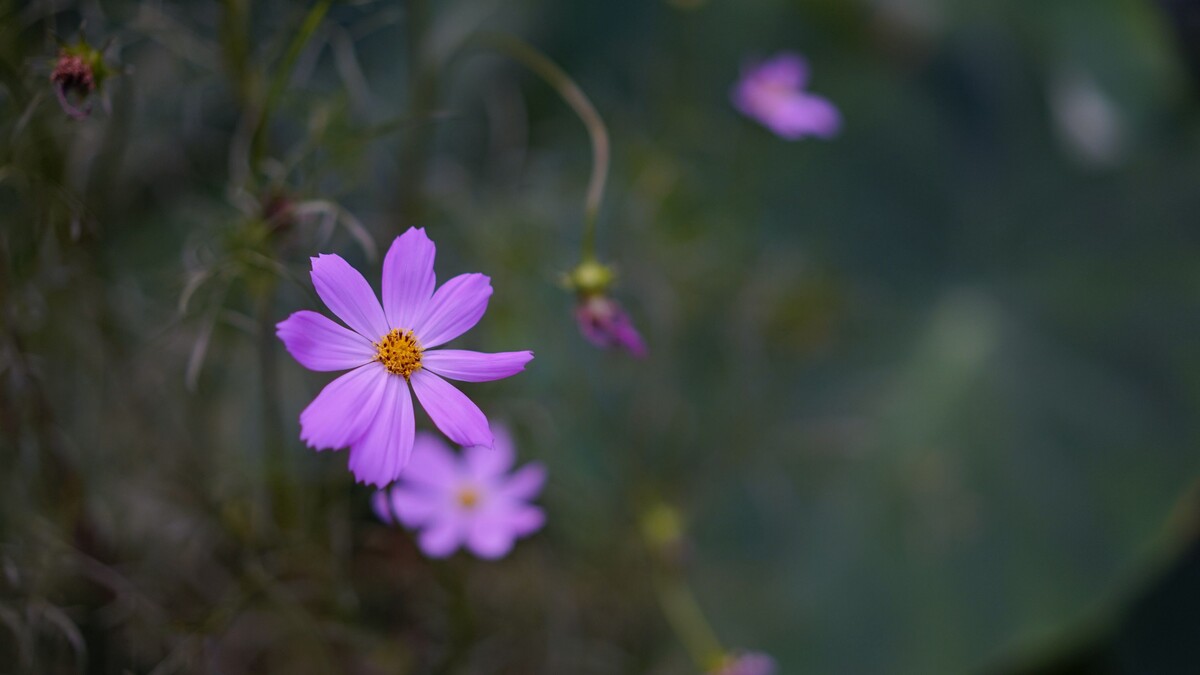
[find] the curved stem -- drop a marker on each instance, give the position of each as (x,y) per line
(553,75)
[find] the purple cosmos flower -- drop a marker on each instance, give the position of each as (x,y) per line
(772,92)
(390,348)
(747,663)
(605,324)
(469,500)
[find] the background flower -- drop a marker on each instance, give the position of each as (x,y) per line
(469,500)
(772,92)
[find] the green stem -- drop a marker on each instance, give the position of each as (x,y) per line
(235,39)
(553,75)
(311,22)
(687,619)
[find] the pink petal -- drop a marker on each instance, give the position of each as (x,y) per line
(788,69)
(804,115)
(468,366)
(380,454)
(381,505)
(454,414)
(487,465)
(489,539)
(345,408)
(443,536)
(408,278)
(525,483)
(415,506)
(454,309)
(349,296)
(320,344)
(433,464)
(525,520)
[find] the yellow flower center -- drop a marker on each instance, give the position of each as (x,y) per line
(399,352)
(468,497)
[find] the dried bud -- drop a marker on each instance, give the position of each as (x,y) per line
(278,211)
(78,72)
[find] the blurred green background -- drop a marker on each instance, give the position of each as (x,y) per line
(926,395)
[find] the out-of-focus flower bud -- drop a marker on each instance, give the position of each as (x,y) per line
(78,72)
(662,528)
(601,319)
(605,324)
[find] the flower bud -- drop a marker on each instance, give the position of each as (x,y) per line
(605,324)
(78,71)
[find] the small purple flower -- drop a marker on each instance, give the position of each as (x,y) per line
(747,663)
(605,324)
(469,500)
(390,348)
(772,92)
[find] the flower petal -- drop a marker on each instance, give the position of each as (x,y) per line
(433,464)
(381,505)
(380,454)
(443,536)
(804,115)
(320,344)
(491,534)
(487,465)
(348,295)
(489,538)
(454,309)
(408,278)
(525,483)
(525,520)
(468,366)
(454,414)
(344,409)
(788,69)
(415,506)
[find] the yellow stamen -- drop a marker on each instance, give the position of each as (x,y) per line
(468,497)
(399,352)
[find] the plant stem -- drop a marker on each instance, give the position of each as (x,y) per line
(311,22)
(687,619)
(553,75)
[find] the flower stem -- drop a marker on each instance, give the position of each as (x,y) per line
(687,619)
(311,22)
(663,532)
(553,75)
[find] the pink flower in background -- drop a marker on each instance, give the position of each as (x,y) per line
(605,324)
(747,663)
(772,92)
(389,348)
(468,500)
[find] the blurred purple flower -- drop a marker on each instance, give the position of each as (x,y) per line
(747,663)
(772,92)
(470,500)
(605,324)
(370,409)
